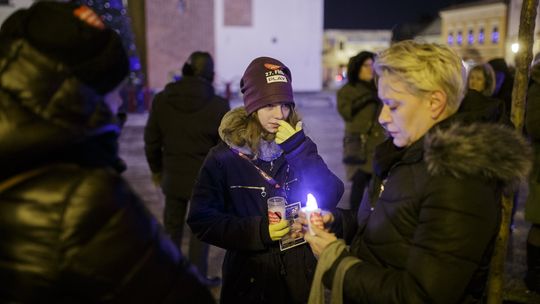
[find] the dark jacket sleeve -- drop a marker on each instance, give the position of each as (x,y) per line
(457,221)
(315,177)
(110,238)
(153,141)
(209,218)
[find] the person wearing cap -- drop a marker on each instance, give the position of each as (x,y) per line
(72,229)
(264,153)
(181,128)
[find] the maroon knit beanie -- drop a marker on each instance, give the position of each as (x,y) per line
(266,81)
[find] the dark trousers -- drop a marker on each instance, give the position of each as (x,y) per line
(360,181)
(174,218)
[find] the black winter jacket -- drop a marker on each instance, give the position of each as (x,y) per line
(72,230)
(181,129)
(428,228)
(229,210)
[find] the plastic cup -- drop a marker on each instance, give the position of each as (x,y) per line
(276,209)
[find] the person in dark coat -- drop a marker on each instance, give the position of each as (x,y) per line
(73,231)
(181,128)
(264,153)
(428,226)
(478,103)
(504,83)
(532,204)
(358,105)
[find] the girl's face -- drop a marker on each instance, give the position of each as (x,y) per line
(366,70)
(270,115)
(477,81)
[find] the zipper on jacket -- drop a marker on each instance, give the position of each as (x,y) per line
(263,190)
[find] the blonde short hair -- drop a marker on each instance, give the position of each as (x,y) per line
(425,67)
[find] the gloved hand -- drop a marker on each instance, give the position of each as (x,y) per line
(285,131)
(156,179)
(277,231)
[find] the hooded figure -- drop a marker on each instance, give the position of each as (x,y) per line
(72,229)
(181,128)
(264,153)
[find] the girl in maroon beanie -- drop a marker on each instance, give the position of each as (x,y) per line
(264,153)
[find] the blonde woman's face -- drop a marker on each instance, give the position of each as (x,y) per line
(270,115)
(405,116)
(477,81)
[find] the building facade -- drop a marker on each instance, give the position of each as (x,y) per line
(476,31)
(340,45)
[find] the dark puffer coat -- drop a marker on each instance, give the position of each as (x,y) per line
(427,231)
(72,230)
(229,210)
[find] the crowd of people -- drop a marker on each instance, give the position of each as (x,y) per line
(428,147)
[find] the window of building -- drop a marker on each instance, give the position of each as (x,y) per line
(459,38)
(450,38)
(481,36)
(470,37)
(341,45)
(495,35)
(238,12)
(4,2)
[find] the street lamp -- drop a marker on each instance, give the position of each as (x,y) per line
(515,47)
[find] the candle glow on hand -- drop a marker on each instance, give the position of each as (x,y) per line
(311,203)
(313,213)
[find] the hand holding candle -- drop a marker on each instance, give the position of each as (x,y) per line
(313,214)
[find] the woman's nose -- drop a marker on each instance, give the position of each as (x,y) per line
(384,116)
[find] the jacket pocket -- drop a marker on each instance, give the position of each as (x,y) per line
(262,189)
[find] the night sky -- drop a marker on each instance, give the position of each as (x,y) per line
(380,14)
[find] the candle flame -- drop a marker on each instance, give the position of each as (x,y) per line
(311,203)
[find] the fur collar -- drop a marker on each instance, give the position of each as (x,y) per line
(234,124)
(490,150)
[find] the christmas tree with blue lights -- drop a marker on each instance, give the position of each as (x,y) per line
(114,15)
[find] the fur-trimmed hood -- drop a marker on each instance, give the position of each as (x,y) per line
(490,150)
(233,128)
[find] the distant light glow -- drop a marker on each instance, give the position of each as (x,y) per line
(311,203)
(515,47)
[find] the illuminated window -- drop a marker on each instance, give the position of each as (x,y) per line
(495,35)
(450,38)
(459,38)
(470,37)
(481,36)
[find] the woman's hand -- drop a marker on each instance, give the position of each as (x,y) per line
(320,240)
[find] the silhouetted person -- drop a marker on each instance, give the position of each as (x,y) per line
(72,230)
(532,204)
(181,128)
(504,83)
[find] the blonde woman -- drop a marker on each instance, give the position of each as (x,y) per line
(428,225)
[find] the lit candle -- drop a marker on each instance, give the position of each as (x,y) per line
(313,213)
